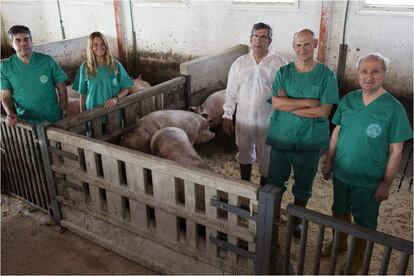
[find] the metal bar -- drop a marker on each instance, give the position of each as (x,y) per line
(302,249)
(405,259)
(231,247)
(352,229)
(350,255)
(267,235)
(288,244)
(232,209)
(42,170)
(37,168)
(367,257)
(385,260)
(60,20)
(317,261)
(22,168)
(9,162)
(43,142)
(28,156)
(10,144)
(334,255)
(24,156)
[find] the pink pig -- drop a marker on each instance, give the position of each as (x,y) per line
(212,108)
(194,125)
(172,143)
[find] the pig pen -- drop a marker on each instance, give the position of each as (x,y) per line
(154,211)
(150,210)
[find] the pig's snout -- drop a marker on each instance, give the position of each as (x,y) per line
(205,136)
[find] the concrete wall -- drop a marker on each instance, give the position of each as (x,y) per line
(170,33)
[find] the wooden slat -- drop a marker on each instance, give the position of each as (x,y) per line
(90,162)
(90,115)
(95,200)
(114,204)
(111,170)
(193,174)
(97,128)
(232,220)
(168,207)
(135,178)
(138,215)
(164,187)
(113,121)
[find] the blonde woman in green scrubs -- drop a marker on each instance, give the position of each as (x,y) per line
(101,80)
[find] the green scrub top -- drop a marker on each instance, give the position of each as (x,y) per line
(103,86)
(288,131)
(364,137)
(33,87)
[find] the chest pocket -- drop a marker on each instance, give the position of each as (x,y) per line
(314,92)
(375,128)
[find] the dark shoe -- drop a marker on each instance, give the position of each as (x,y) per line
(343,244)
(246,171)
(358,258)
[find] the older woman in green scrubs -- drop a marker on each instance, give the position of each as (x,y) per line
(365,150)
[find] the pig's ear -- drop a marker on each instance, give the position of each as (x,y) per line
(195,109)
(140,77)
(205,116)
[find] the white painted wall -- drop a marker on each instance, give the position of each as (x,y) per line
(389,34)
(79,19)
(202,27)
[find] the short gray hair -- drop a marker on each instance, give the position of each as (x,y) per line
(260,26)
(377,56)
(19,29)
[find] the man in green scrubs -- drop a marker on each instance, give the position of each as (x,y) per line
(364,152)
(28,82)
(302,98)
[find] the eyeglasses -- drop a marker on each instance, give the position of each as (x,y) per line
(260,38)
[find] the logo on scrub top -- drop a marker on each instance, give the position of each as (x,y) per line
(43,79)
(115,82)
(374,130)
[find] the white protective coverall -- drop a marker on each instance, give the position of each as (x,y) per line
(249,86)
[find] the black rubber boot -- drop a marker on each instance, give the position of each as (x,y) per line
(263,180)
(246,171)
(297,222)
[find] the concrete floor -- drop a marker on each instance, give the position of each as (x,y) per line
(31,245)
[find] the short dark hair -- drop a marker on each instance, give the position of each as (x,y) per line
(18,29)
(260,26)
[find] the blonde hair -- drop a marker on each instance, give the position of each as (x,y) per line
(91,61)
